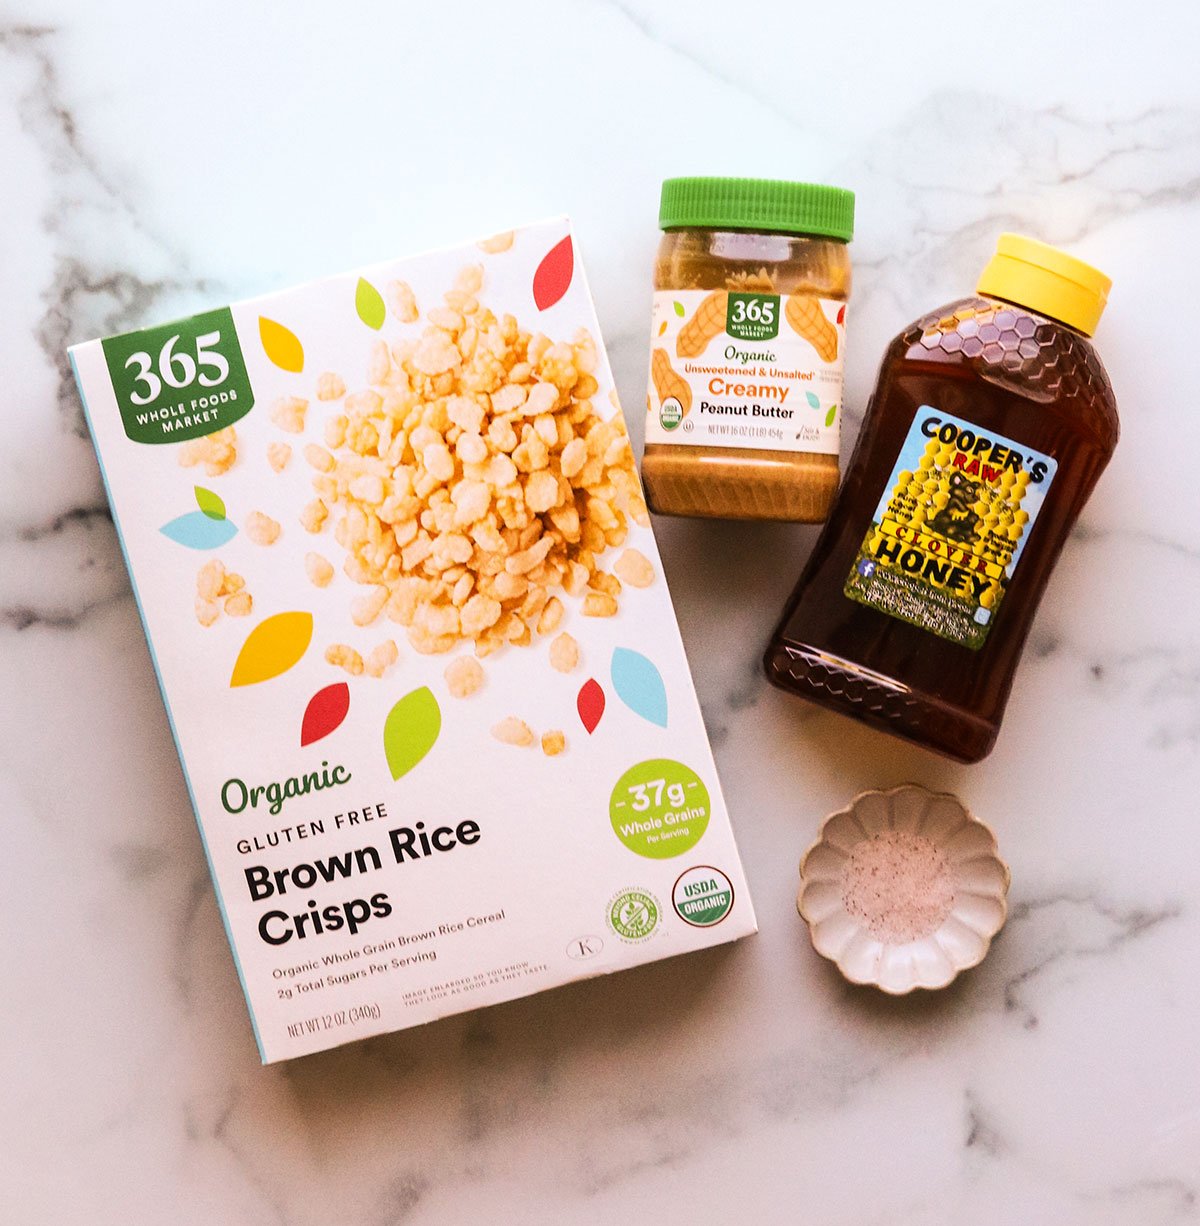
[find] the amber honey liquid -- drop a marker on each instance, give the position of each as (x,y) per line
(1012,375)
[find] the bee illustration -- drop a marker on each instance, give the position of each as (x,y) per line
(957,520)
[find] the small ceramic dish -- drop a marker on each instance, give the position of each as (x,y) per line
(903,889)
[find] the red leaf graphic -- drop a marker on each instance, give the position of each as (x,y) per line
(553,276)
(590,704)
(842,314)
(325,711)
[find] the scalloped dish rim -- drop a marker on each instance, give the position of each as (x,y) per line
(958,969)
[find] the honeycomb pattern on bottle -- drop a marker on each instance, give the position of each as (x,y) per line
(1048,357)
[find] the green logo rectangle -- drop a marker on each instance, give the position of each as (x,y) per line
(752,317)
(181,380)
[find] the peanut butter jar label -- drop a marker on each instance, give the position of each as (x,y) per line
(753,370)
(950,527)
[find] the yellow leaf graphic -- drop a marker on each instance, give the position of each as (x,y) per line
(272,647)
(281,345)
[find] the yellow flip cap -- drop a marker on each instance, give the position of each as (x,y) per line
(1046,280)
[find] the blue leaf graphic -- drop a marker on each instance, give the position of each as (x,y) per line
(639,685)
(199,531)
(814,401)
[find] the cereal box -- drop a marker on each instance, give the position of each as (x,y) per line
(414,639)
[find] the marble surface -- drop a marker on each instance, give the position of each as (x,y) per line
(155,164)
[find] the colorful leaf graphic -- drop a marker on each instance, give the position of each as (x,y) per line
(590,704)
(831,415)
(639,685)
(662,327)
(841,315)
(814,401)
(325,711)
(553,276)
(211,504)
(369,304)
(197,530)
(679,309)
(272,647)
(281,345)
(411,728)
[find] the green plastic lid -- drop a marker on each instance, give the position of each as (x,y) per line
(757,204)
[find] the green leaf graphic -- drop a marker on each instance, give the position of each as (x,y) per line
(369,305)
(814,401)
(831,415)
(210,503)
(411,729)
(679,309)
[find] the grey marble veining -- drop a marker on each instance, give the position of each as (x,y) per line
(155,165)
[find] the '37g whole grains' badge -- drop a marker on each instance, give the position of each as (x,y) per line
(659,808)
(179,381)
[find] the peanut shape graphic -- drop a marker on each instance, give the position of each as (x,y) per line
(808,320)
(708,321)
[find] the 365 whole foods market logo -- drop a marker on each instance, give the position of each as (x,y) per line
(752,317)
(179,381)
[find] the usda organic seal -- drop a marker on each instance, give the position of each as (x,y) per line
(703,896)
(670,413)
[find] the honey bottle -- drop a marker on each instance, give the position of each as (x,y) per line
(991,421)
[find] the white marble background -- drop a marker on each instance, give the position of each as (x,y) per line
(175,157)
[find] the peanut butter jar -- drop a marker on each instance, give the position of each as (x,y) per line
(746,351)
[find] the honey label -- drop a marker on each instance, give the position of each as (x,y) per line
(746,369)
(950,528)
